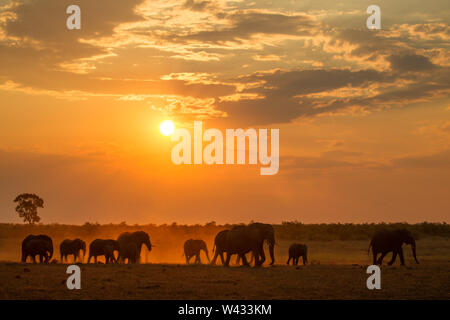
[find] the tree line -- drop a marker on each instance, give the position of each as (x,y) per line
(288,230)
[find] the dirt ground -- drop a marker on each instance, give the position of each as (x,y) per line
(428,280)
(336,270)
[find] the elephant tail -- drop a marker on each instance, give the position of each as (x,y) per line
(214,248)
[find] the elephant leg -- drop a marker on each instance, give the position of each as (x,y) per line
(394,256)
(304,259)
(187,259)
(216,254)
(256,258)
(380,260)
(402,258)
(374,253)
(289,260)
(138,254)
(95,259)
(296,261)
(262,254)
(33,258)
(222,258)
(244,260)
(227,261)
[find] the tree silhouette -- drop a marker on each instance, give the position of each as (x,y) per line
(27,207)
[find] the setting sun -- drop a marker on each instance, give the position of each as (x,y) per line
(167,127)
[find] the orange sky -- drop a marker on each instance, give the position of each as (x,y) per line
(364,116)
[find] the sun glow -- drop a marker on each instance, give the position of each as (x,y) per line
(167,127)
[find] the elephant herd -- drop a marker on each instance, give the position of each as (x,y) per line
(239,241)
(128,245)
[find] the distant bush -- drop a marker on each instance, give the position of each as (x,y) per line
(285,231)
(350,231)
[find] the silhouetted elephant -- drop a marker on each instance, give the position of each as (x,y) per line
(297,250)
(193,248)
(391,241)
(243,239)
(138,238)
(32,249)
(39,247)
(72,247)
(102,247)
(130,252)
(252,258)
(220,243)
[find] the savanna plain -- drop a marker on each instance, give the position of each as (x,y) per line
(336,269)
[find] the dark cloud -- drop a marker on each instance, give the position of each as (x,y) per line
(300,82)
(46,19)
(281,89)
(38,41)
(198,5)
(434,161)
(286,93)
(410,62)
(245,24)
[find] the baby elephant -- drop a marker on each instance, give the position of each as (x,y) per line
(192,248)
(297,250)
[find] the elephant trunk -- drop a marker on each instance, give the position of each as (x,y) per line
(148,245)
(413,248)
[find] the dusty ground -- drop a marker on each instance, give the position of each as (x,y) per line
(170,281)
(337,270)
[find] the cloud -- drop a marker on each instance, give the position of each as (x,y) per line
(410,62)
(210,52)
(198,5)
(434,161)
(285,94)
(242,25)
